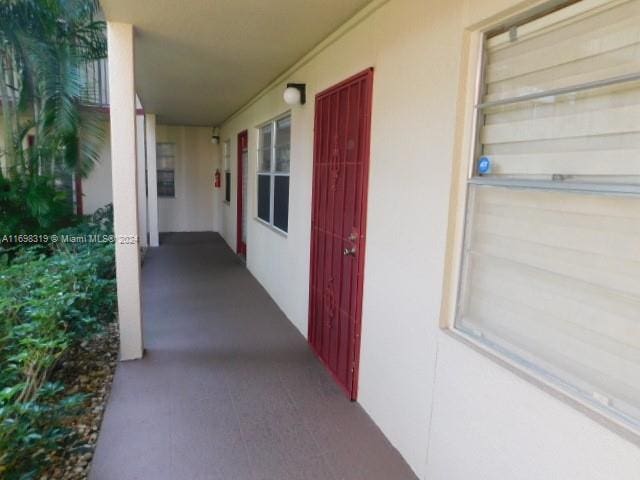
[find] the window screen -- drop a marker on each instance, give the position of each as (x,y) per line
(551,261)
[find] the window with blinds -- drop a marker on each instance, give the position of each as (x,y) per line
(551,257)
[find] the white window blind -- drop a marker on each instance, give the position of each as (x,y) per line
(551,267)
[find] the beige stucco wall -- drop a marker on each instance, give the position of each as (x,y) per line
(450,411)
(97,186)
(192,209)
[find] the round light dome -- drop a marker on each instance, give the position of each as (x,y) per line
(292,96)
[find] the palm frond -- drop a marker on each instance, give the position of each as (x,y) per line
(49,42)
(92,138)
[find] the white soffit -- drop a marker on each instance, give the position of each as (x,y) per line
(198,61)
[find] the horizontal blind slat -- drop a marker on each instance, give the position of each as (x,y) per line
(612,121)
(519,296)
(600,275)
(509,89)
(589,46)
(565,23)
(605,162)
(583,233)
(594,100)
(601,205)
(630,141)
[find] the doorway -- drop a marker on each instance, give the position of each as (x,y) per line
(243,166)
(338,225)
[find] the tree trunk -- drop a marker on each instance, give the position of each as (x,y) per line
(8,112)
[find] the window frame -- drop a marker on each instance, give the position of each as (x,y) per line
(162,168)
(272,173)
(468,147)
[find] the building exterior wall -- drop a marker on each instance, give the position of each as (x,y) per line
(451,412)
(192,209)
(97,186)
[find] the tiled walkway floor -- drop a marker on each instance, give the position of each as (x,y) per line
(228,389)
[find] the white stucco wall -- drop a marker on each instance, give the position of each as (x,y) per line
(450,411)
(192,209)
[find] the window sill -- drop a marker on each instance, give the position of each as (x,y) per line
(581,402)
(271,227)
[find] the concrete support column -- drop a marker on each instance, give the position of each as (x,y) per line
(141,157)
(152,180)
(125,195)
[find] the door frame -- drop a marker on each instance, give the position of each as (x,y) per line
(243,143)
(366,155)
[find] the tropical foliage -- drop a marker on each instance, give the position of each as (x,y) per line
(50,299)
(44,48)
(51,295)
(31,204)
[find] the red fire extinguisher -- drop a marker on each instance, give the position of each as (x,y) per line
(216,178)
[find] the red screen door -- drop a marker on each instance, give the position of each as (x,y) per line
(243,164)
(340,177)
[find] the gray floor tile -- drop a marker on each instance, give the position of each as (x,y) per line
(228,389)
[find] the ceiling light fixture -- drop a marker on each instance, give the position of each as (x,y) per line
(215,135)
(295,94)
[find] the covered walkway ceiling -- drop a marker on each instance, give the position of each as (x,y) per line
(198,61)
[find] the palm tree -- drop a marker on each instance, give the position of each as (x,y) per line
(44,48)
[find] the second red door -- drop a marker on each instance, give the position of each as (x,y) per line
(338,225)
(241,217)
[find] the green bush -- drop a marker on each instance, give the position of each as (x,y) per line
(31,204)
(31,430)
(49,300)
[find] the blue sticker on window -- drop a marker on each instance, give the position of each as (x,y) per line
(484,165)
